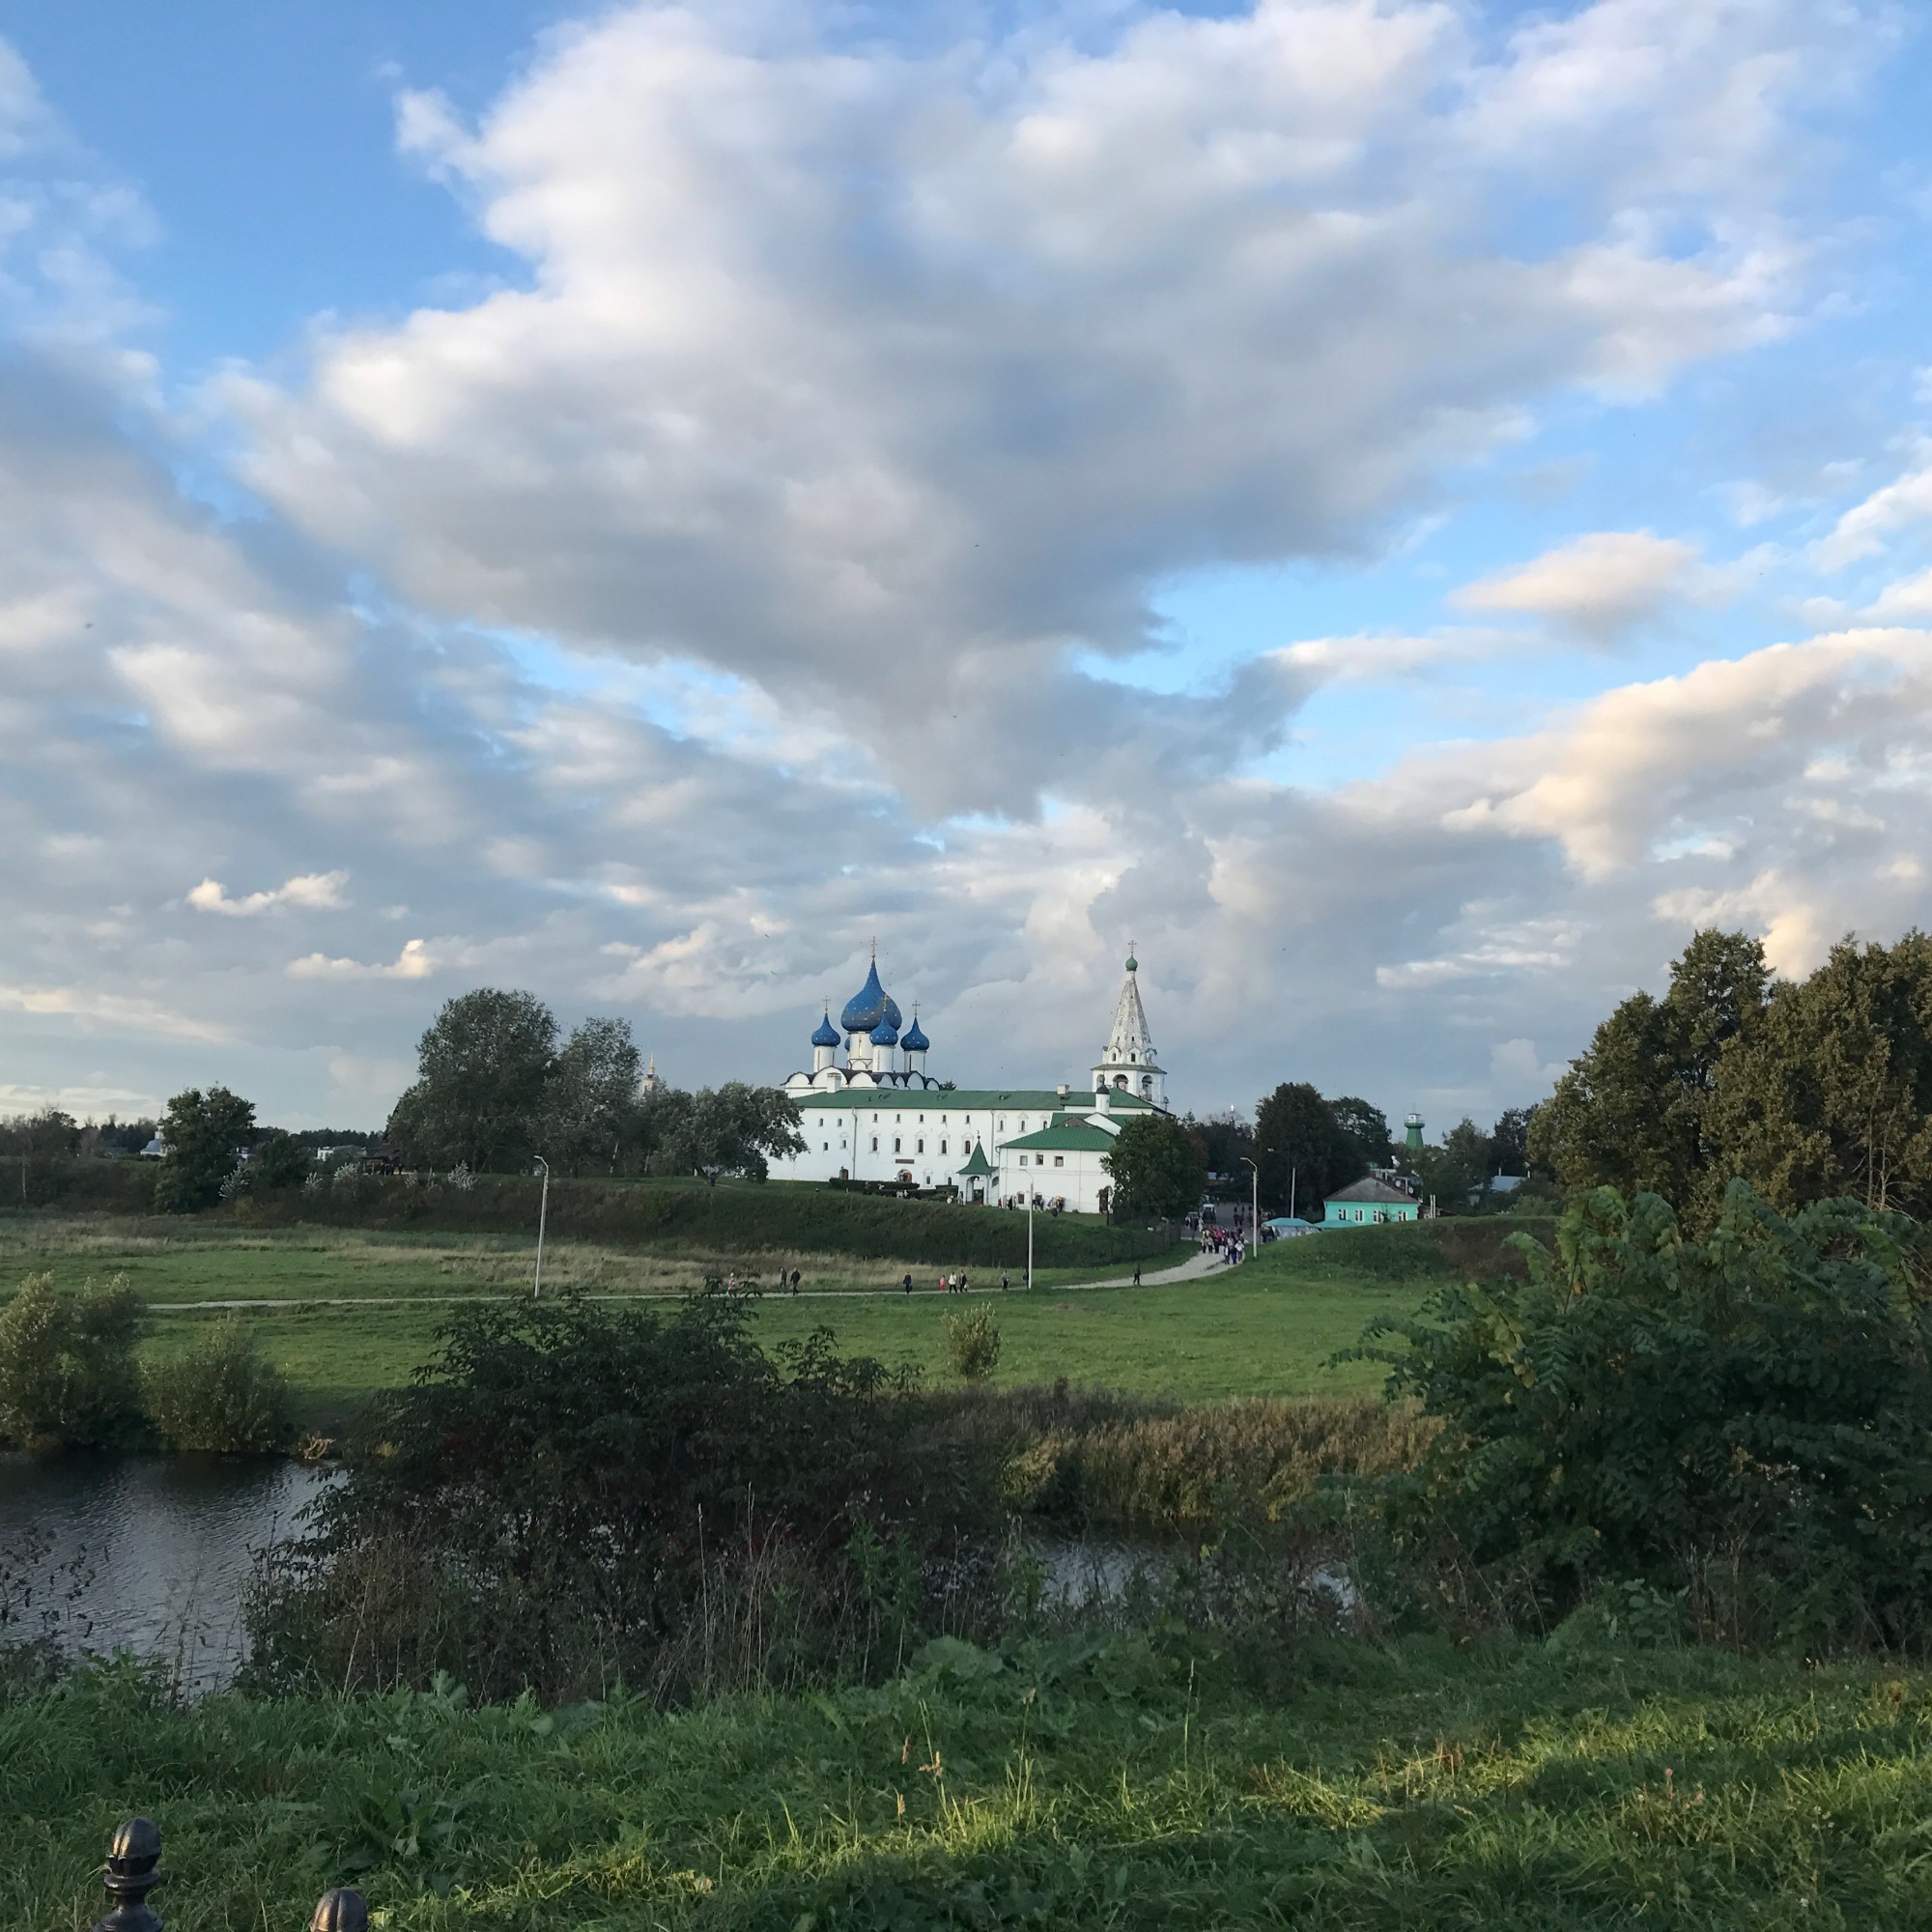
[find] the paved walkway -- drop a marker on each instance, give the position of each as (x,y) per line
(1191,1269)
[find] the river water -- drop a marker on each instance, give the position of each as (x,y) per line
(144,1553)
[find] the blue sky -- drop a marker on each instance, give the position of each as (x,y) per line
(1404,510)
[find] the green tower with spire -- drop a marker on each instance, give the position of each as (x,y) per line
(1412,1140)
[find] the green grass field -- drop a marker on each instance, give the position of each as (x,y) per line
(1088,1783)
(183,1262)
(1269,1329)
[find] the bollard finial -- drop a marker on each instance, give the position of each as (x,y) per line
(342,1910)
(132,1871)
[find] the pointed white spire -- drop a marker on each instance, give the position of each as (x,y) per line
(1129,1061)
(1128,1040)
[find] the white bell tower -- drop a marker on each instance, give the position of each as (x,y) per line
(1129,1063)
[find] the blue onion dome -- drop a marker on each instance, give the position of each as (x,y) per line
(894,1018)
(915,1041)
(869,1005)
(824,1033)
(885,1034)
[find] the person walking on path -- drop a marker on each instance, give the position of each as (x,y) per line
(908,1281)
(794,1281)
(1137,1274)
(1005,1282)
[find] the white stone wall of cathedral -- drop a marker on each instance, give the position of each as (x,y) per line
(931,1143)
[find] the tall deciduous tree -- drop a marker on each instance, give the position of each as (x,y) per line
(1156,1167)
(1832,1093)
(1633,1111)
(1225,1139)
(1368,1127)
(483,1068)
(1454,1171)
(1297,1128)
(1509,1140)
(590,1102)
(203,1133)
(737,1128)
(279,1160)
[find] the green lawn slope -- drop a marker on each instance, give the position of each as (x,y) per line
(1082,1783)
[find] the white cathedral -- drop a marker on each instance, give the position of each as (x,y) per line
(879,1115)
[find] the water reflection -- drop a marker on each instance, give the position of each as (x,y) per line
(144,1553)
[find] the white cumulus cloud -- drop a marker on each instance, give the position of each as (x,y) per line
(880,377)
(1601,587)
(309,890)
(414,962)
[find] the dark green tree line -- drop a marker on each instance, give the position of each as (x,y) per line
(1811,1088)
(498,1086)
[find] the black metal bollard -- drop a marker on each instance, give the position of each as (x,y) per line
(134,1869)
(342,1910)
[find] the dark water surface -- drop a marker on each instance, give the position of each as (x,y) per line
(142,1554)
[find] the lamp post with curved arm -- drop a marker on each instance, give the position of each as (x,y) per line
(1255,1210)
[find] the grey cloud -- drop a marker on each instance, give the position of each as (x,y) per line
(896,390)
(882,378)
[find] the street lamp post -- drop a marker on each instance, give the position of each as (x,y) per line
(543,1215)
(1029,1277)
(1255,1208)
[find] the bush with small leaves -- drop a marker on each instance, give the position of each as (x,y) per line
(66,1365)
(221,1394)
(972,1344)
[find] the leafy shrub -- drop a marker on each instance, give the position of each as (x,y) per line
(577,1491)
(221,1393)
(971,1343)
(1742,1420)
(66,1365)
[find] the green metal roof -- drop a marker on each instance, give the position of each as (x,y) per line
(1073,1137)
(979,1167)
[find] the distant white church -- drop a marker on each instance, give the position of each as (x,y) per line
(879,1115)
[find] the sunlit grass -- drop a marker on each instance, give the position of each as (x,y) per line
(1501,1786)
